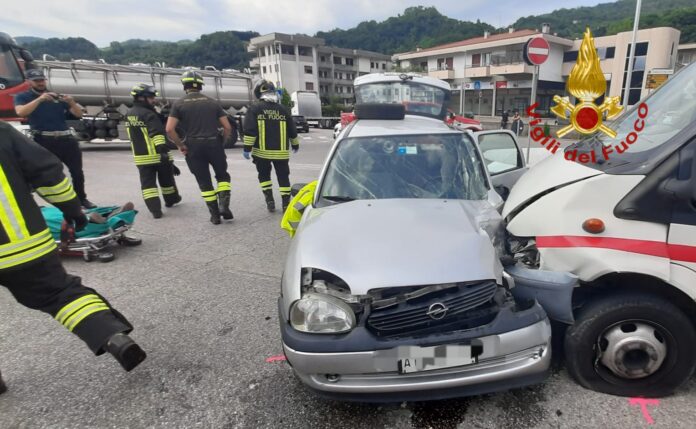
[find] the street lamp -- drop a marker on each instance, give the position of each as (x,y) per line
(631,56)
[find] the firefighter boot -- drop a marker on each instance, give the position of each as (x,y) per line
(214,212)
(125,350)
(270,203)
(3,387)
(224,204)
(286,202)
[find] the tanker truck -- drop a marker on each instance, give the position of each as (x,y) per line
(104,89)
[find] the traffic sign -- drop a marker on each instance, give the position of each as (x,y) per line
(477,85)
(536,51)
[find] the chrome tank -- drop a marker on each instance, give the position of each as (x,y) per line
(98,84)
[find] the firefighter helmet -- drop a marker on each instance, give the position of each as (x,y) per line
(144,90)
(192,79)
(263,87)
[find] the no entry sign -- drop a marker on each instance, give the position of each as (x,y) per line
(536,51)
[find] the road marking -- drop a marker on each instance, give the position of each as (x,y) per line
(279,358)
(643,403)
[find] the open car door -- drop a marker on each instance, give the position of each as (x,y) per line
(503,158)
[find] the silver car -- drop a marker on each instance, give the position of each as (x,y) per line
(397,285)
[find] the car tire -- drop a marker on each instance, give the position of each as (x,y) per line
(613,326)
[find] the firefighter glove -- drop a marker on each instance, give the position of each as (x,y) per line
(175,170)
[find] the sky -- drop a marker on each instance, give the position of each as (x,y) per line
(103,21)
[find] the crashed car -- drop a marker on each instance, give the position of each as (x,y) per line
(397,285)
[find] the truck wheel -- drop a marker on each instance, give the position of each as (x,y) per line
(631,344)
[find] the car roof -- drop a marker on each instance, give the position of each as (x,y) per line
(410,125)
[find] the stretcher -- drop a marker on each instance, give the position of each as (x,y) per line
(95,241)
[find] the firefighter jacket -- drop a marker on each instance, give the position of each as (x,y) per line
(268,128)
(293,214)
(146,133)
(24,165)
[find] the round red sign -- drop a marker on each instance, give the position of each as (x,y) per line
(536,51)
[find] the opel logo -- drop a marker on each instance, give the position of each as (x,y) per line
(437,311)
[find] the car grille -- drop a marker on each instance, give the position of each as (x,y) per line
(468,305)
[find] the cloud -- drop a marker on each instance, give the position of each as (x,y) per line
(104,21)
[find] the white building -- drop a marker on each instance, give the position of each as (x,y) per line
(495,77)
(302,63)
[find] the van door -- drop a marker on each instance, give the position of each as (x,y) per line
(503,158)
(681,241)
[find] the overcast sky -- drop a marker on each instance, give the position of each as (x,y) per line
(103,21)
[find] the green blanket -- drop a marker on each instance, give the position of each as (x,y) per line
(54,219)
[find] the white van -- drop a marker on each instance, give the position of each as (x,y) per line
(625,224)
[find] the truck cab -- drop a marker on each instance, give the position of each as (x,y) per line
(624,222)
(12,80)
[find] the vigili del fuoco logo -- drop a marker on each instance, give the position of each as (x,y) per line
(586,83)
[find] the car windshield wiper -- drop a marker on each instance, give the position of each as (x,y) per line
(338,198)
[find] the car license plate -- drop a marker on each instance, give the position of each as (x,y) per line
(415,359)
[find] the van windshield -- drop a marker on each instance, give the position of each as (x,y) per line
(416,166)
(669,110)
(10,73)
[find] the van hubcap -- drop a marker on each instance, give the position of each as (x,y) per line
(632,349)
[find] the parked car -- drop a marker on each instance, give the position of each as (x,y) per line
(301,123)
(397,284)
(625,224)
(461,122)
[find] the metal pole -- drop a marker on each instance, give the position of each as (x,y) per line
(480,93)
(535,80)
(462,97)
(631,56)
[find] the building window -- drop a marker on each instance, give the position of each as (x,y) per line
(304,51)
(384,66)
(424,66)
(349,61)
(287,49)
(308,69)
(372,65)
(349,89)
(264,69)
(322,59)
(570,56)
(476,60)
(309,86)
(337,60)
(446,63)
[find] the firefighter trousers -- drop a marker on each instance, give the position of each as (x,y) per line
(282,170)
(203,153)
(149,176)
(44,285)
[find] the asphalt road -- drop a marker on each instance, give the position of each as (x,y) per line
(203,300)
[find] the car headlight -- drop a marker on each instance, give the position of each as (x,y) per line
(321,314)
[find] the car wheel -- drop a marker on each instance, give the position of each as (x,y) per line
(631,344)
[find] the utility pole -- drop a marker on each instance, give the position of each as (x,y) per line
(631,56)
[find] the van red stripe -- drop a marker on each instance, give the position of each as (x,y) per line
(675,252)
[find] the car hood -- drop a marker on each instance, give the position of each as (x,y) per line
(549,173)
(398,242)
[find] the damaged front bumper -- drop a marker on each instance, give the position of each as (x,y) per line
(553,290)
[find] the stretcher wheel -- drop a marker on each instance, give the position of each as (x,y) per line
(106,257)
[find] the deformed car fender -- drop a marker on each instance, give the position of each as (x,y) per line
(552,289)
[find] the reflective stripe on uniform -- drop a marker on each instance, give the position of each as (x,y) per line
(209,195)
(270,154)
(224,186)
(293,214)
(283,135)
(168,190)
(266,185)
(150,193)
(59,193)
(10,215)
(249,140)
(146,159)
(30,252)
(262,133)
(285,190)
(158,140)
(295,142)
(77,310)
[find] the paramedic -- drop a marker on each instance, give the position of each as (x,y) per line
(29,263)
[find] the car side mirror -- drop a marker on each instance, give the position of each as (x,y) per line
(295,189)
(26,55)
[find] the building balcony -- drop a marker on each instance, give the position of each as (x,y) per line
(506,69)
(478,71)
(442,74)
(345,67)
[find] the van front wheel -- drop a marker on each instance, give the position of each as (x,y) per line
(631,344)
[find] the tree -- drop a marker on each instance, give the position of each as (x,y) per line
(285,99)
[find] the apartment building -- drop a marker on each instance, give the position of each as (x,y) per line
(491,73)
(303,63)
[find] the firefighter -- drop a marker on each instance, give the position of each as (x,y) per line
(293,215)
(268,127)
(47,112)
(146,133)
(200,118)
(29,264)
